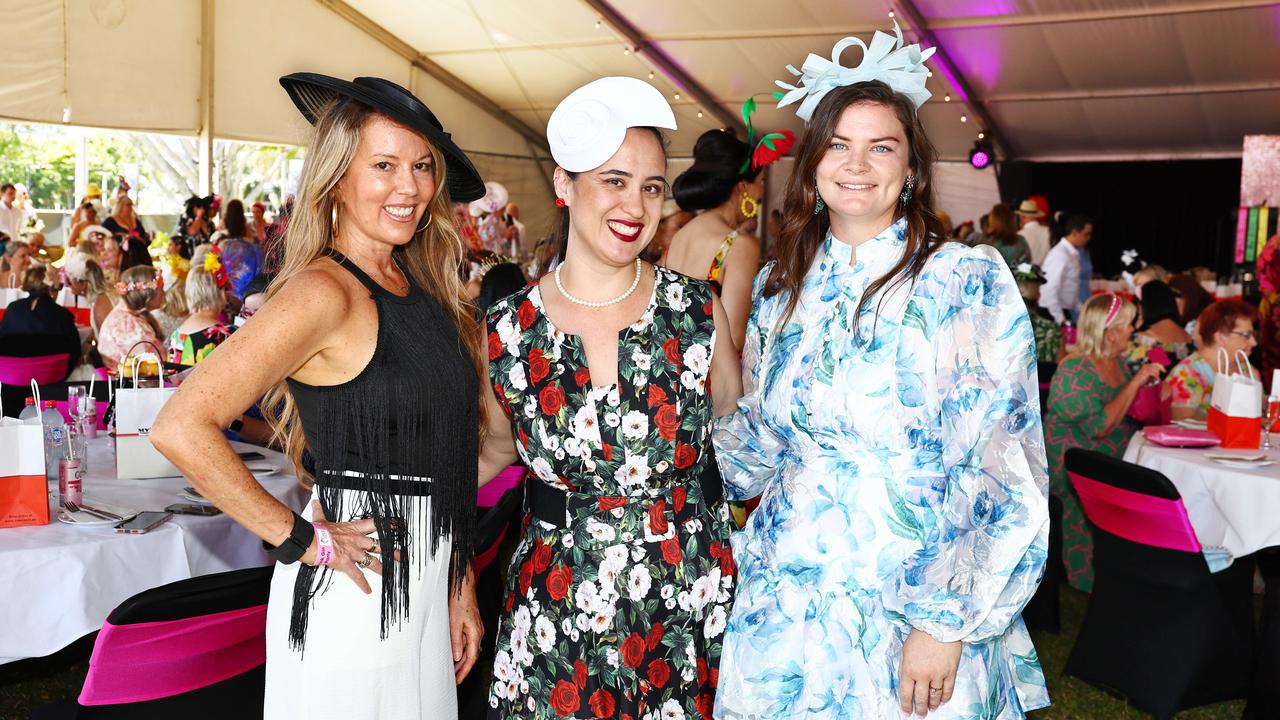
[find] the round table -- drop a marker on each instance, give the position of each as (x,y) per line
(61,581)
(1233,507)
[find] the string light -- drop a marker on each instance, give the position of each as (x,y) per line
(982,136)
(699,113)
(676,96)
(890,13)
(946,98)
(598,23)
(930,73)
(626,51)
(650,74)
(964,118)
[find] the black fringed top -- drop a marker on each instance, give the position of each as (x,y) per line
(405,427)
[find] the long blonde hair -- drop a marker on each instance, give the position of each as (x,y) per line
(1092,336)
(431,257)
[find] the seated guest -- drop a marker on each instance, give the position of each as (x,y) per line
(39,314)
(134,251)
(243,259)
(203,330)
(1088,405)
(1161,327)
(86,280)
(130,322)
(1192,299)
(16,260)
(174,311)
(1224,328)
(1049,345)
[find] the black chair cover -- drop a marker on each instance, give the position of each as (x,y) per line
(1160,630)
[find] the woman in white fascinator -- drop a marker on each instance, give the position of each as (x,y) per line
(891,423)
(606,375)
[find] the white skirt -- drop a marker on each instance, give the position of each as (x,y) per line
(345,671)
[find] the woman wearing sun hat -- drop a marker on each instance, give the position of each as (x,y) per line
(606,375)
(370,355)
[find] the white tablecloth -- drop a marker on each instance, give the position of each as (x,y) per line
(1231,507)
(59,582)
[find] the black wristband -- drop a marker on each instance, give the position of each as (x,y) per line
(236,425)
(294,546)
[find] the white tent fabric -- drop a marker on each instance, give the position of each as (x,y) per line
(1057,79)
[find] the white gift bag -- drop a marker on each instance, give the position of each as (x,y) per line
(136,410)
(1235,408)
(24,489)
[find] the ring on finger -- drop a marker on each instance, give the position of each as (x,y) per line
(935,691)
(365,562)
(375,549)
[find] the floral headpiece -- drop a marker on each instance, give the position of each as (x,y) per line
(1028,272)
(887,60)
(125,184)
(156,283)
(768,148)
(213,266)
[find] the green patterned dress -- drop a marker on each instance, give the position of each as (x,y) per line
(621,609)
(1073,418)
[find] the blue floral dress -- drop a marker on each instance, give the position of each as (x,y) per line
(904,486)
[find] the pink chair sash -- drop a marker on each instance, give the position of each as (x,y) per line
(488,495)
(146,661)
(44,369)
(1135,516)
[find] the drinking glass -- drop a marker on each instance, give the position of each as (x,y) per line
(1272,417)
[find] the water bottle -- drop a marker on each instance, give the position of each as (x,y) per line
(55,439)
(30,415)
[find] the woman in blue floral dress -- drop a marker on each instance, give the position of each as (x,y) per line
(891,422)
(604,375)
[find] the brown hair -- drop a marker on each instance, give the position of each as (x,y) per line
(1194,297)
(233,219)
(803,231)
(1002,224)
(431,258)
(1221,317)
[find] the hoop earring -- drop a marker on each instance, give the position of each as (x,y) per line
(905,197)
(333,220)
(749,206)
(424,227)
(818,206)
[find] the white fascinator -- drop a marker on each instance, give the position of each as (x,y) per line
(589,125)
(899,66)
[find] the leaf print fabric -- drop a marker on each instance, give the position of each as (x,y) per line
(904,486)
(620,608)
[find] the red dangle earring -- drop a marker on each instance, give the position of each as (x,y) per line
(560,203)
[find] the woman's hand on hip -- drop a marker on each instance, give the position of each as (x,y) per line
(927,673)
(354,548)
(465,628)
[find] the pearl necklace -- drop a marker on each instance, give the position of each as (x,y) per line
(603,303)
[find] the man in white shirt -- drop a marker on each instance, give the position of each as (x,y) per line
(12,218)
(1036,234)
(1061,292)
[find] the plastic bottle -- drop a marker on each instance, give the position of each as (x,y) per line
(30,414)
(55,439)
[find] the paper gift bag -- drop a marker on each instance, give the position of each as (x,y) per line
(136,410)
(24,488)
(1235,408)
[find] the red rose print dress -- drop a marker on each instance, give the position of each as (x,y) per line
(621,585)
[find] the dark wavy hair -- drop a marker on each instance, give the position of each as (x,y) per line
(803,231)
(1158,303)
(717,159)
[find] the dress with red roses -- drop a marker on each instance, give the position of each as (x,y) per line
(620,613)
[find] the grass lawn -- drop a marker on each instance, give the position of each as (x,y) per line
(33,683)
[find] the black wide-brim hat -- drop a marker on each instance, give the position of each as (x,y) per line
(311,92)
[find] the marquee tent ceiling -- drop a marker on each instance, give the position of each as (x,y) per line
(1059,79)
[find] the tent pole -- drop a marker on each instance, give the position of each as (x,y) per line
(942,61)
(675,73)
(205,141)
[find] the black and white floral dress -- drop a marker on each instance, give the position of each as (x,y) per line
(618,595)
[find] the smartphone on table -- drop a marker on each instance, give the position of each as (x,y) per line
(193,509)
(143,522)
